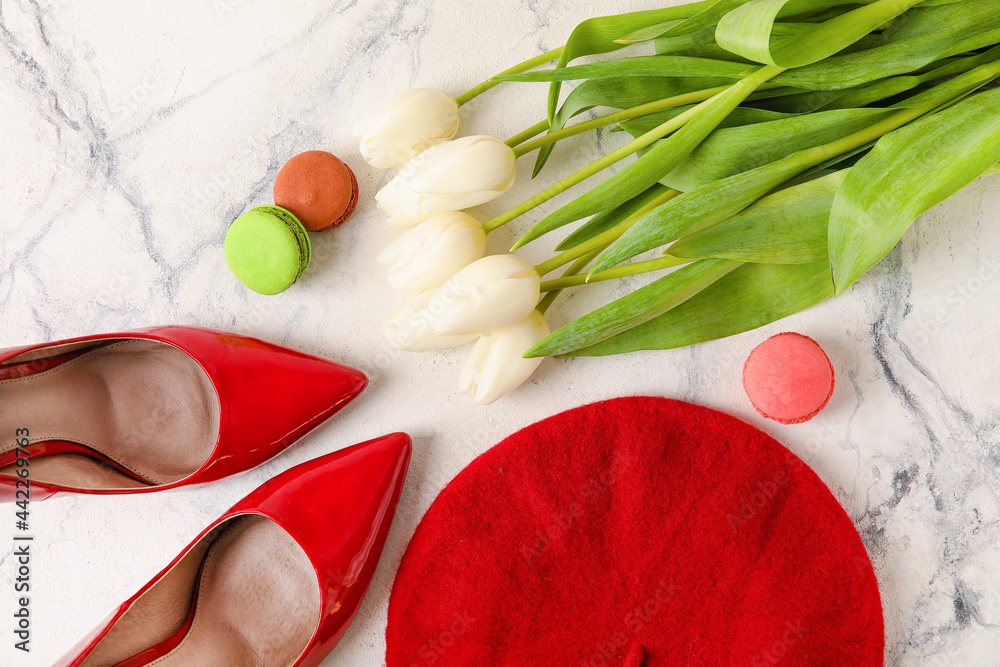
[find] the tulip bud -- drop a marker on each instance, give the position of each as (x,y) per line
(433,251)
(405,126)
(450,176)
(407,328)
(495,367)
(493,292)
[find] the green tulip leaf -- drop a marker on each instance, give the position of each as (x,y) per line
(864,95)
(602,222)
(678,66)
(749,30)
(908,172)
(619,93)
(698,209)
(597,35)
(787,227)
(707,18)
(713,203)
(926,36)
(641,174)
(698,44)
(730,151)
(642,305)
(739,116)
(747,298)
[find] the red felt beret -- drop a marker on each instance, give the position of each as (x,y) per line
(638,531)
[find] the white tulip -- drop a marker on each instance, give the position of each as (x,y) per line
(407,328)
(450,176)
(493,292)
(495,367)
(433,251)
(405,126)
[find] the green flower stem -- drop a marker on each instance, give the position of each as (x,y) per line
(530,63)
(577,266)
(617,272)
(750,83)
(601,241)
(617,117)
(611,158)
(532,131)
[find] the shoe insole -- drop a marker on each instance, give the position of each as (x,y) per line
(257,603)
(146,405)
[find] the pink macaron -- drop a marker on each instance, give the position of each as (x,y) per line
(788,378)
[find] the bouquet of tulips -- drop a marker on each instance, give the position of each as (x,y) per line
(782,149)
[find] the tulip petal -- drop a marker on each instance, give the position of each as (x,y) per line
(450,176)
(405,126)
(429,254)
(469,164)
(491,293)
(407,328)
(496,366)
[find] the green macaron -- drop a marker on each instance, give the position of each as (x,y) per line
(267,249)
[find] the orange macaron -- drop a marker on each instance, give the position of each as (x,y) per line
(318,188)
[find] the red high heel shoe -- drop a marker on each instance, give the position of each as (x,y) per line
(275,582)
(156,409)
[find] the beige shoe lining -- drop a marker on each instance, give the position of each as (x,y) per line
(258,603)
(144,404)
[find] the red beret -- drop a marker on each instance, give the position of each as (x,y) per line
(638,531)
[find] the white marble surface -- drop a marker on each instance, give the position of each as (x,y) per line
(133,133)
